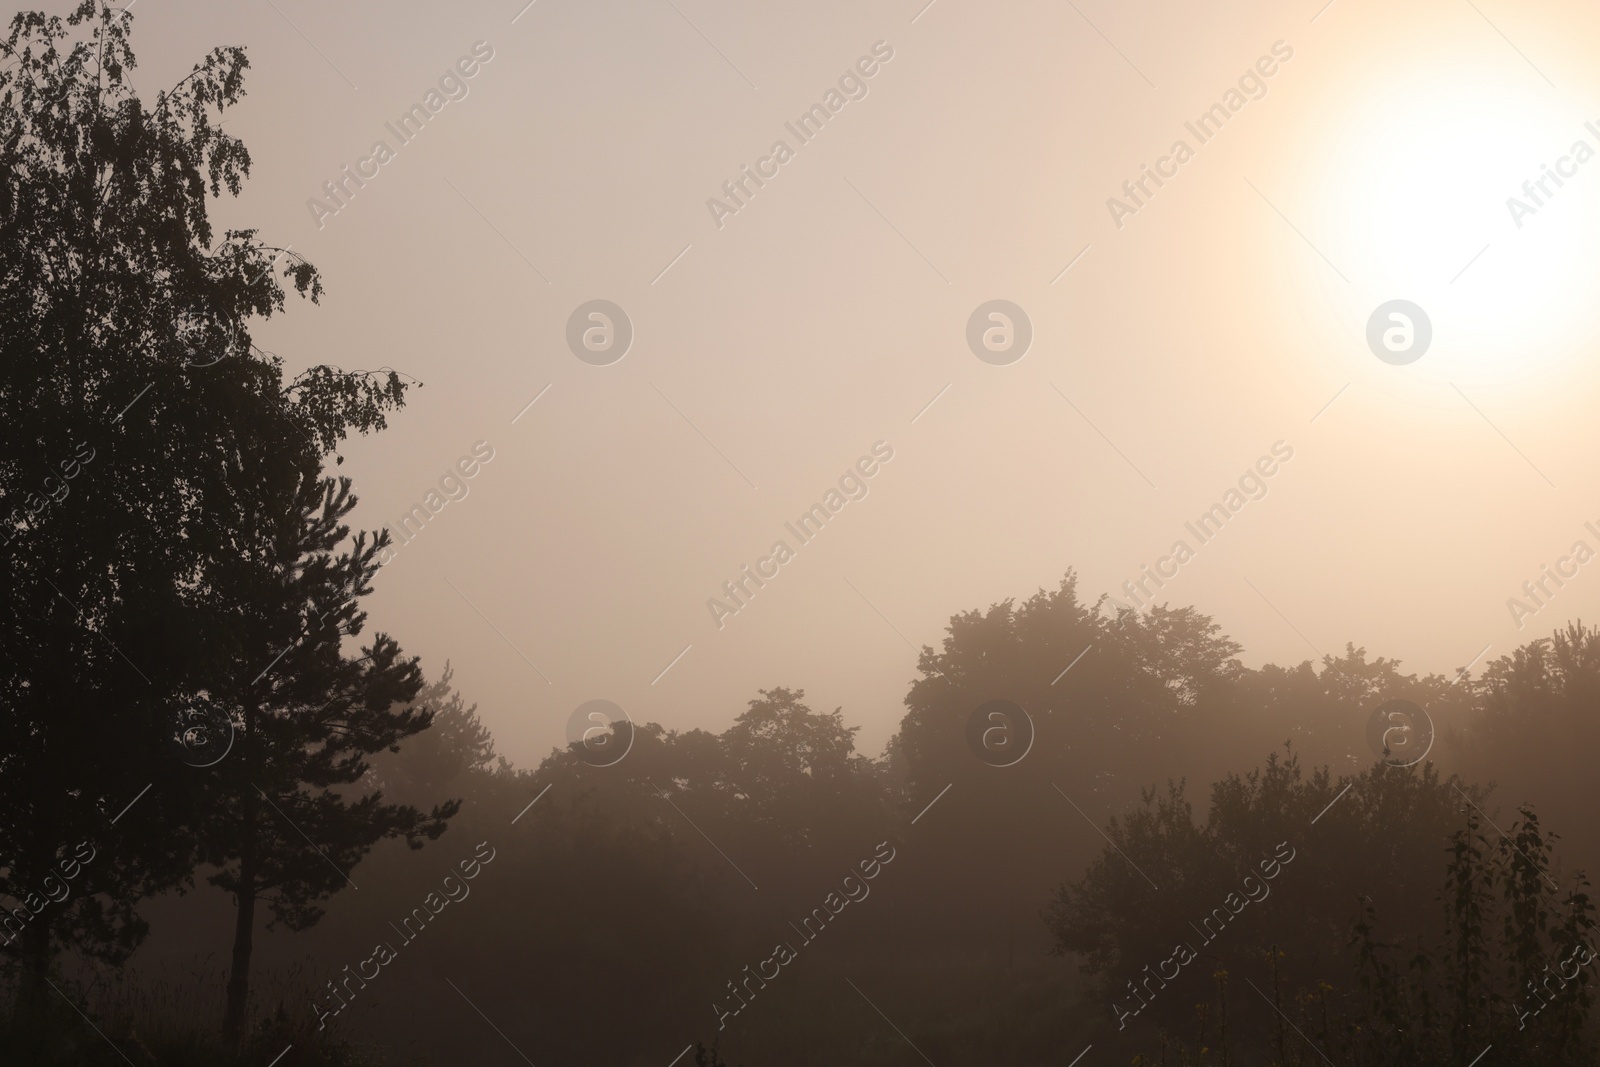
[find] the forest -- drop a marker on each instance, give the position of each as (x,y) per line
(240,826)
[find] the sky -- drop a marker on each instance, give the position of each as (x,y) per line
(1181,333)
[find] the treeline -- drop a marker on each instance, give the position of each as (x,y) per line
(700,889)
(204,753)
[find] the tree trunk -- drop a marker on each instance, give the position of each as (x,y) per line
(243,933)
(33,981)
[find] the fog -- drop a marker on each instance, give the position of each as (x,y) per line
(759,392)
(805,328)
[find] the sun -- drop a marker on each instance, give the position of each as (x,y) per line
(1472,193)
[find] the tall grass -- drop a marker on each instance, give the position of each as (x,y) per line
(170,1016)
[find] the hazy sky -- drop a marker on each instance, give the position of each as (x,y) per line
(1221,317)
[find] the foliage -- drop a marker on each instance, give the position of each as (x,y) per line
(1511,969)
(111,456)
(1375,834)
(197,531)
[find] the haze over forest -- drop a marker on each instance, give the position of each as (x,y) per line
(658,533)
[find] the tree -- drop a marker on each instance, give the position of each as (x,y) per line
(150,456)
(792,774)
(1511,969)
(1325,713)
(1114,699)
(1535,727)
(112,297)
(1274,869)
(279,823)
(448,759)
(1134,681)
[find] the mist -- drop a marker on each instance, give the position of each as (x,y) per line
(660,533)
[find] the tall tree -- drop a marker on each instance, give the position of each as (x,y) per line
(1108,701)
(283,824)
(112,297)
(157,472)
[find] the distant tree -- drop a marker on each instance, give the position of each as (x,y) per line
(605,885)
(793,775)
(1509,972)
(707,1057)
(446,760)
(1325,712)
(1134,679)
(1535,728)
(1163,876)
(1115,698)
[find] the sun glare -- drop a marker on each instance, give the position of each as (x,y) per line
(1469,193)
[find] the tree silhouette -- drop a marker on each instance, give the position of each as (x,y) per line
(1538,728)
(279,822)
(157,474)
(1272,869)
(447,760)
(112,296)
(1511,969)
(1115,699)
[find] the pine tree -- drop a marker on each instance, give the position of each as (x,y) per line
(283,823)
(446,760)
